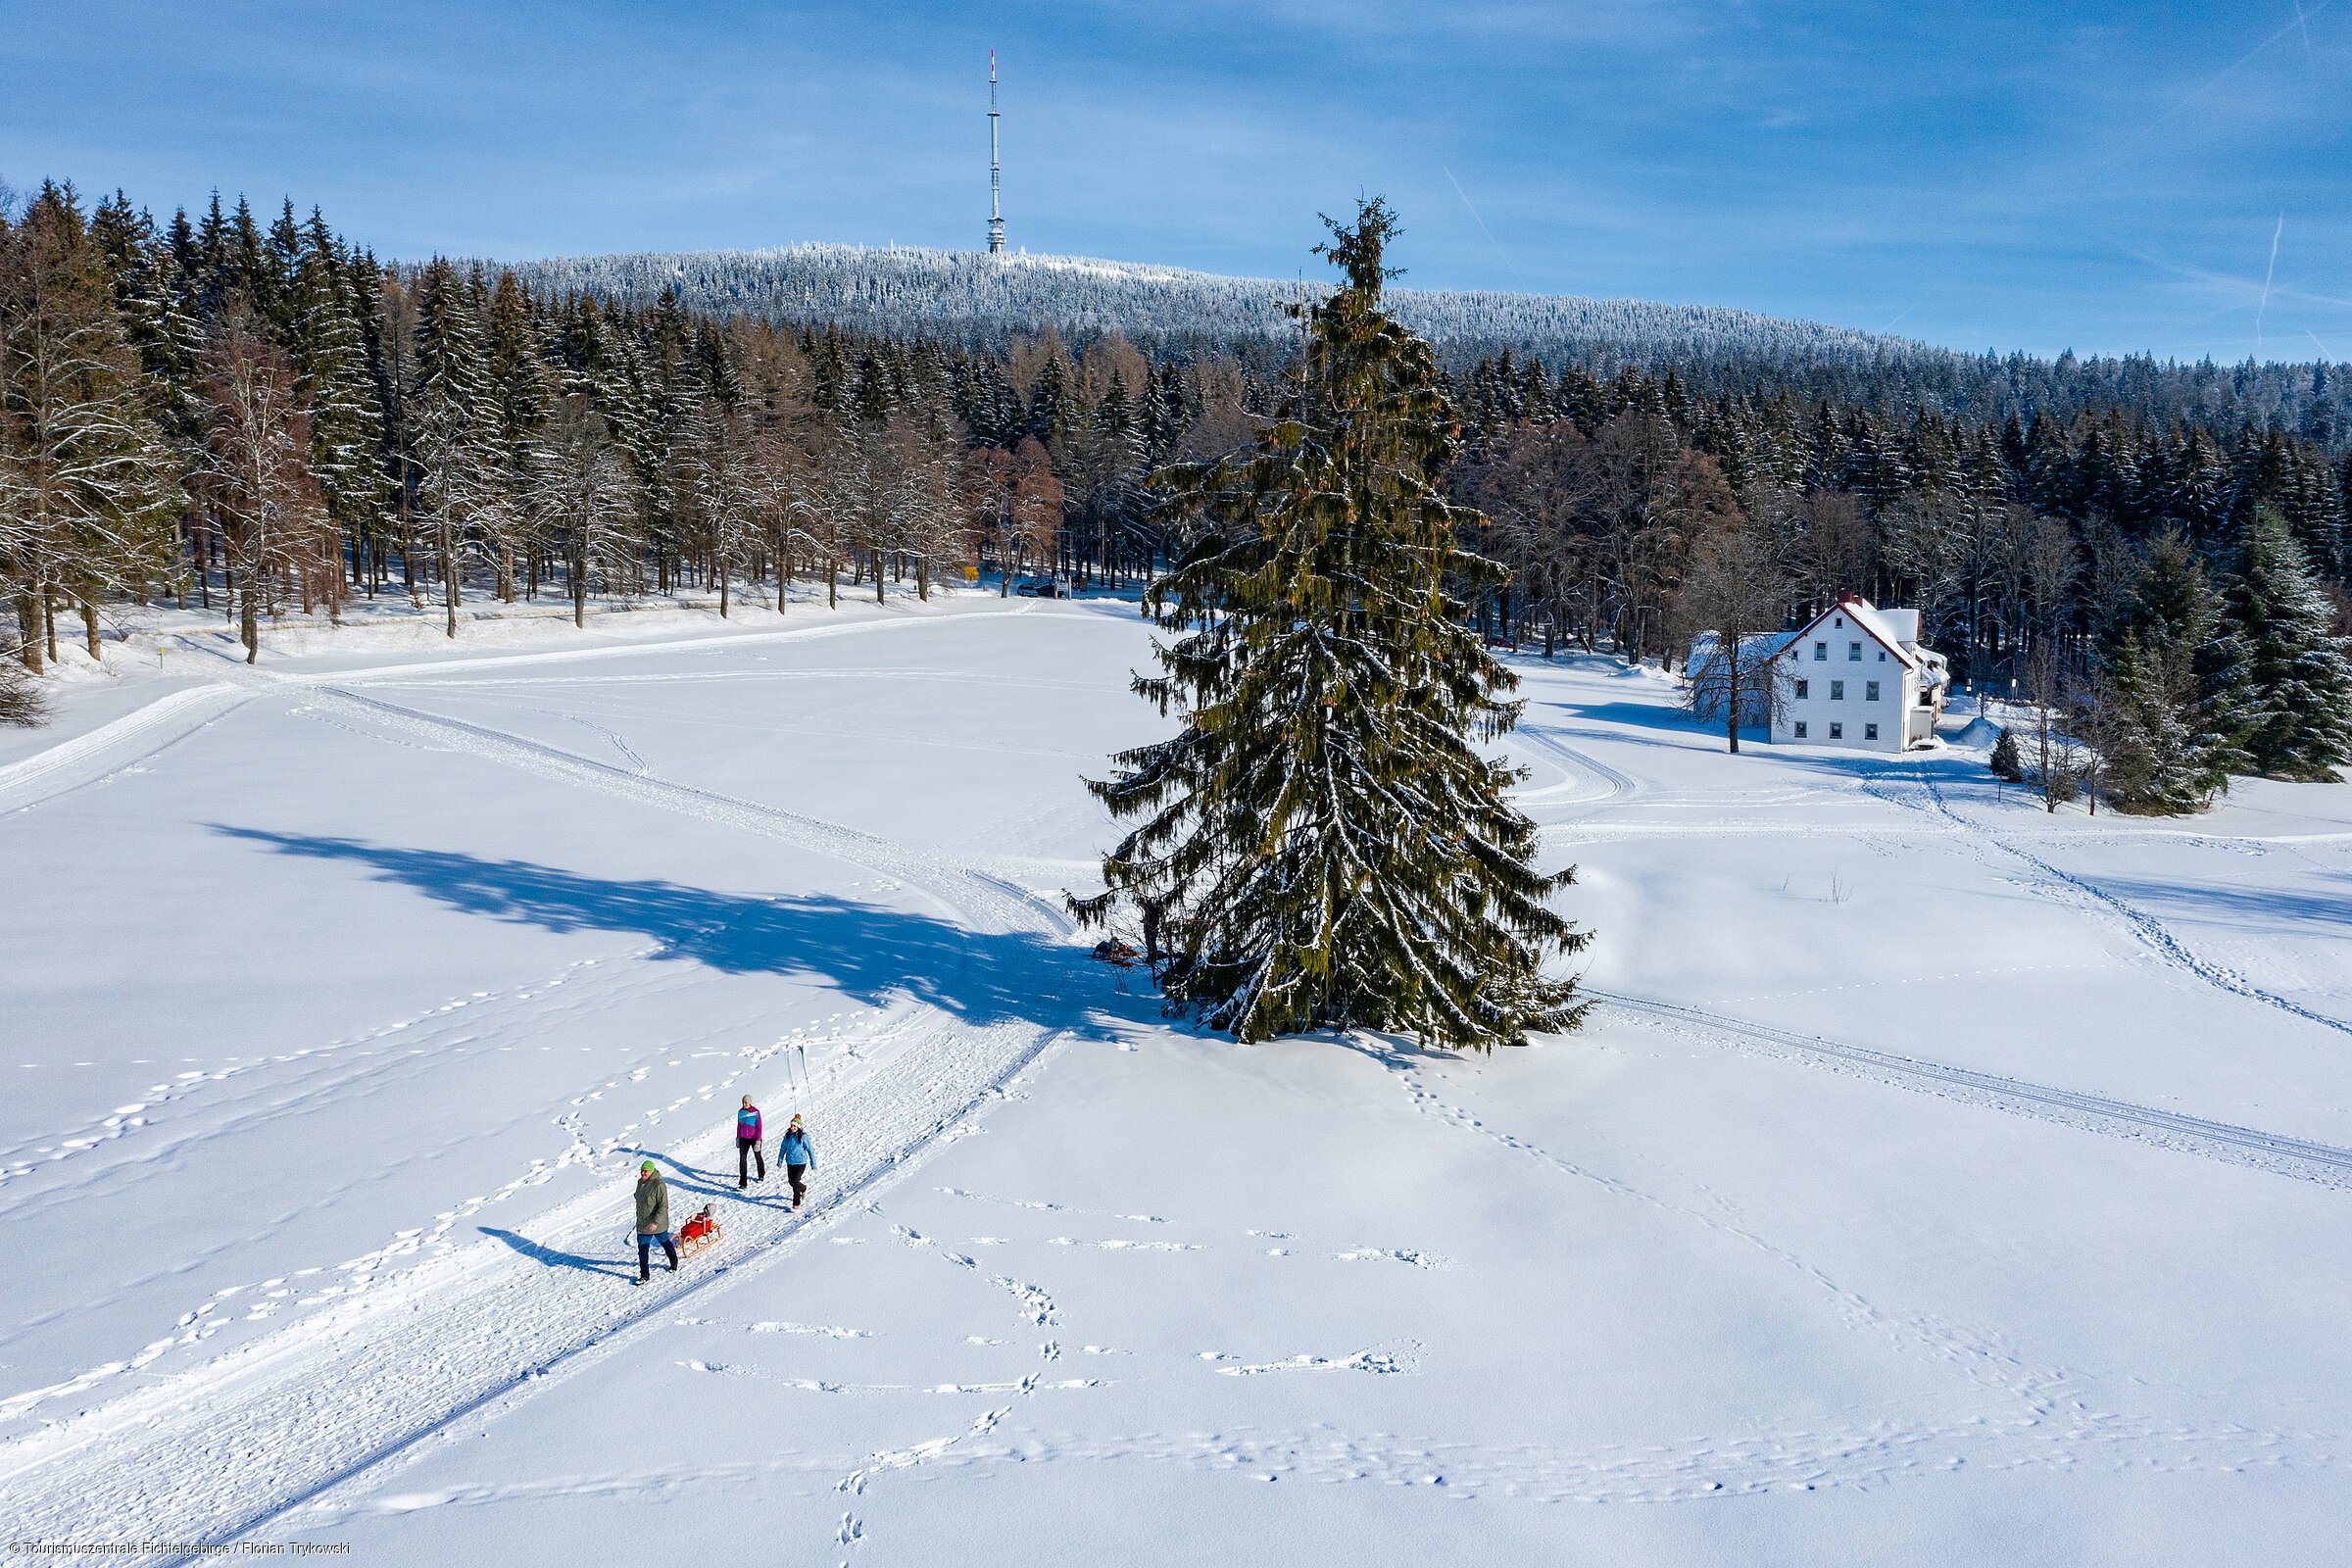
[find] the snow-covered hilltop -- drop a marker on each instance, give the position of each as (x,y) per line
(971,295)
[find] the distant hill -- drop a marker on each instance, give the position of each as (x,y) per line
(970,295)
(978,301)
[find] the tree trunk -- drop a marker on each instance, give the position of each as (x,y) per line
(449,581)
(1731,719)
(89,629)
(28,630)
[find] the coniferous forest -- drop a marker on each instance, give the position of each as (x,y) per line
(255,418)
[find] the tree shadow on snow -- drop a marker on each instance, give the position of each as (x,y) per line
(866,951)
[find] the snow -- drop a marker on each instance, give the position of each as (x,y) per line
(1935,1178)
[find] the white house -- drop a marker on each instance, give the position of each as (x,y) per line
(1856,675)
(1709,677)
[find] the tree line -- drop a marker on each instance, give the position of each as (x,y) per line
(2176,598)
(984,301)
(251,417)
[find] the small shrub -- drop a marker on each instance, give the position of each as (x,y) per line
(21,700)
(2006,765)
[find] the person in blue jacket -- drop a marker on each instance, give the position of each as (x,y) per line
(799,1159)
(747,1145)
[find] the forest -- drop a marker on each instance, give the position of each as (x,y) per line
(257,418)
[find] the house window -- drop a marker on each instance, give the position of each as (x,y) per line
(1821,651)
(1800,729)
(1841,622)
(1853,653)
(1881,656)
(1871,691)
(1870,732)
(1836,690)
(1836,732)
(1804,689)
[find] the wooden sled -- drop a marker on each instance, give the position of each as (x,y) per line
(698,1233)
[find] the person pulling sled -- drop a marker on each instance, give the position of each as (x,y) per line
(798,1158)
(652,1221)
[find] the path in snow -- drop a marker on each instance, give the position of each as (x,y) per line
(2322,1163)
(222,1448)
(2150,931)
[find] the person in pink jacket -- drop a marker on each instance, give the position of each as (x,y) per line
(747,1145)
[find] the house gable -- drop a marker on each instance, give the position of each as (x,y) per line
(1862,616)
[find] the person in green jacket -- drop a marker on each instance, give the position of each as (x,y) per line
(652,1221)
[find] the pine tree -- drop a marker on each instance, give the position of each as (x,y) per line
(2140,719)
(338,386)
(1322,845)
(2005,764)
(453,424)
(2189,651)
(518,385)
(2299,673)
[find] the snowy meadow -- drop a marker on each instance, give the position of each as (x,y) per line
(1934,1179)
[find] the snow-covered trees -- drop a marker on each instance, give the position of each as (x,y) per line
(459,479)
(257,485)
(347,432)
(2298,674)
(1322,844)
(2170,695)
(719,491)
(584,500)
(86,492)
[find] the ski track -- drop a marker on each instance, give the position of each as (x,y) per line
(473,1326)
(351,1276)
(2323,1164)
(2151,932)
(1612,785)
(984,901)
(463,1329)
(173,711)
(216,1452)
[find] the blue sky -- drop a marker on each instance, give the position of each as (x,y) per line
(2105,178)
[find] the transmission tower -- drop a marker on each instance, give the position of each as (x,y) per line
(995,213)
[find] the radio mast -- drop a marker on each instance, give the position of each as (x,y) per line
(995,213)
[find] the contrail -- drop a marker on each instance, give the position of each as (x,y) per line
(2300,19)
(2190,97)
(2266,281)
(1481,224)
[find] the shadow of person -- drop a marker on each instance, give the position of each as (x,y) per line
(538,1253)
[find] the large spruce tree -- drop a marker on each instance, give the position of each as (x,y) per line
(1322,845)
(2175,678)
(2299,672)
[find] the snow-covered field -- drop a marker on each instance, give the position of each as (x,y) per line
(1934,1180)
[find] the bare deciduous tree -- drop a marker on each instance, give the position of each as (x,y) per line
(1735,597)
(584,500)
(256,479)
